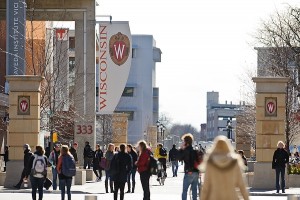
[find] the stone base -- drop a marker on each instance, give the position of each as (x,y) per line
(2,178)
(13,173)
(264,176)
(90,176)
(80,178)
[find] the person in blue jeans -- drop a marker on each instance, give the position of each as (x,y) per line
(53,160)
(191,174)
(173,154)
(131,174)
(37,178)
(109,156)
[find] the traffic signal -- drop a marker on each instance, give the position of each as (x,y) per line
(54,137)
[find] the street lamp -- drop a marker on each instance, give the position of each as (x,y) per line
(229,128)
(160,128)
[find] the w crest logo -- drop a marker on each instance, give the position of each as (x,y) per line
(271,107)
(119,48)
(23,105)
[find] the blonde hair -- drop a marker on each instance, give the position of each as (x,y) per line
(109,146)
(64,150)
(280,143)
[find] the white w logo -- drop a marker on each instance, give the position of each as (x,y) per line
(270,107)
(119,50)
(23,106)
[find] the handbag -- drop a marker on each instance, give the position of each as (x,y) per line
(47,183)
(103,163)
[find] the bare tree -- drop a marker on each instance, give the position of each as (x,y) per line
(280,37)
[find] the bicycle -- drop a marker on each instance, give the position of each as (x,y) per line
(161,174)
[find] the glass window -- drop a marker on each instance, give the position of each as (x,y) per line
(72,43)
(128,92)
(129,113)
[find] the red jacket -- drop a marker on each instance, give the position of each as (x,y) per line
(143,161)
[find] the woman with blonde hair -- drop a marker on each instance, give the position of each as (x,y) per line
(223,173)
(280,159)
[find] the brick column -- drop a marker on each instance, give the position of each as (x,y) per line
(24,123)
(270,127)
(119,128)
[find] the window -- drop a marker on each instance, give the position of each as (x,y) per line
(129,113)
(71,64)
(71,43)
(133,53)
(128,92)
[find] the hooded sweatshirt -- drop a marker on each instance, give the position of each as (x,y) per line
(223,174)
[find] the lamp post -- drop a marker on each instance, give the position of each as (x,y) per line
(229,129)
(160,128)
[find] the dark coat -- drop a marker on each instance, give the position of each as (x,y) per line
(27,156)
(74,153)
(122,163)
(5,156)
(30,163)
(280,158)
(134,158)
(173,154)
(86,151)
(187,155)
(98,154)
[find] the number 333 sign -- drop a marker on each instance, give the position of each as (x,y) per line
(84,129)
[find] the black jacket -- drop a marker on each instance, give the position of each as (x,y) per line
(5,156)
(121,162)
(30,163)
(97,159)
(173,154)
(27,156)
(187,155)
(74,153)
(280,158)
(134,158)
(88,152)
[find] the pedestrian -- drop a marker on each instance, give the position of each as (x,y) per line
(280,160)
(5,157)
(241,153)
(117,149)
(173,154)
(37,170)
(98,154)
(223,173)
(191,174)
(120,167)
(109,156)
(161,155)
(143,168)
(131,174)
(88,155)
(53,160)
(66,168)
(73,151)
(27,156)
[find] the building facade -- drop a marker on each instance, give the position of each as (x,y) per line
(217,116)
(140,99)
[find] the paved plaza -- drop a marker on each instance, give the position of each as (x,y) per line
(170,191)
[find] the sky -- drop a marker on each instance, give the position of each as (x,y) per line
(207,45)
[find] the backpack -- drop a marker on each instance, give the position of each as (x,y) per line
(198,158)
(163,152)
(90,153)
(152,165)
(68,166)
(39,167)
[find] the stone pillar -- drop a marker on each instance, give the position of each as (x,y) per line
(152,136)
(24,123)
(270,127)
(85,90)
(119,128)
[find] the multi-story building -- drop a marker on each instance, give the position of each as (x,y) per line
(140,99)
(203,132)
(218,115)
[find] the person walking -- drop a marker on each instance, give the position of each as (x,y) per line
(37,170)
(53,160)
(66,168)
(120,167)
(280,159)
(173,154)
(98,154)
(241,153)
(88,155)
(143,168)
(5,157)
(161,155)
(131,174)
(109,156)
(191,174)
(27,156)
(73,151)
(223,173)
